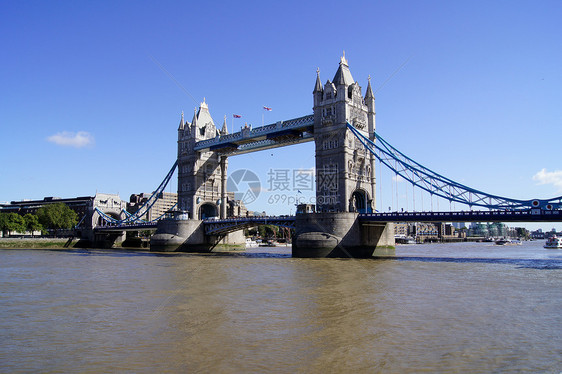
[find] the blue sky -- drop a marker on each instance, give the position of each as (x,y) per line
(91,92)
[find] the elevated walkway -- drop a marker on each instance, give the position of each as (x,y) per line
(282,133)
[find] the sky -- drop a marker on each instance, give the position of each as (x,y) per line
(91,93)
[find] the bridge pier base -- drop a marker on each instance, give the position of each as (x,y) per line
(92,239)
(188,236)
(341,235)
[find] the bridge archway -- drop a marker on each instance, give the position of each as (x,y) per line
(208,210)
(360,202)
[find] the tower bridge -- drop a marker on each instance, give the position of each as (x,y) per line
(345,170)
(345,221)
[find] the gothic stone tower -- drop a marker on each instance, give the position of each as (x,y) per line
(201,175)
(345,176)
(345,170)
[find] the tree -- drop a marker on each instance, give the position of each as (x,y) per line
(32,223)
(57,216)
(4,223)
(522,232)
(12,222)
(268,231)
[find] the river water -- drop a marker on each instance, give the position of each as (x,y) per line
(453,308)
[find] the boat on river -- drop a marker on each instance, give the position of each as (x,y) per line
(553,242)
(508,242)
(251,243)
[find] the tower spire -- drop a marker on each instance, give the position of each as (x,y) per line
(318,86)
(369,94)
(343,75)
(182,122)
(224,130)
(194,120)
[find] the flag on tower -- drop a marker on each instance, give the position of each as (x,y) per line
(236,116)
(267,108)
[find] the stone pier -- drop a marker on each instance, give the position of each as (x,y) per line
(341,235)
(189,236)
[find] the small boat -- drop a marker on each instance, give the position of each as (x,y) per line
(508,242)
(268,243)
(553,242)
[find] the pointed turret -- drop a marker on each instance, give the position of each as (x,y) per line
(318,90)
(318,86)
(224,130)
(343,75)
(369,94)
(194,120)
(370,102)
(182,123)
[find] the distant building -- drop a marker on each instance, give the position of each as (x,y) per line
(83,206)
(538,234)
(235,208)
(165,202)
(404,229)
(493,229)
(425,231)
(459,225)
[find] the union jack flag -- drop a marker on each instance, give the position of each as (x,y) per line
(267,108)
(236,116)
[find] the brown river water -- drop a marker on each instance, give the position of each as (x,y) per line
(435,308)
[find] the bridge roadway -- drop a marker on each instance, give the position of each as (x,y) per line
(225,226)
(212,226)
(127,227)
(530,215)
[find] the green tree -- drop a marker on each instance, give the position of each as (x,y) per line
(11,222)
(57,216)
(268,231)
(4,223)
(522,232)
(32,223)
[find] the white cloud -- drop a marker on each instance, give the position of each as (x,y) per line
(70,139)
(397,178)
(549,177)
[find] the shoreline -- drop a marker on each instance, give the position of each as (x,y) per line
(34,243)
(67,243)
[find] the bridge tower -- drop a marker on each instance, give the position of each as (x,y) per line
(345,171)
(201,175)
(345,175)
(201,190)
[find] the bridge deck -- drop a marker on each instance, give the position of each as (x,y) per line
(224,226)
(531,215)
(126,227)
(282,133)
